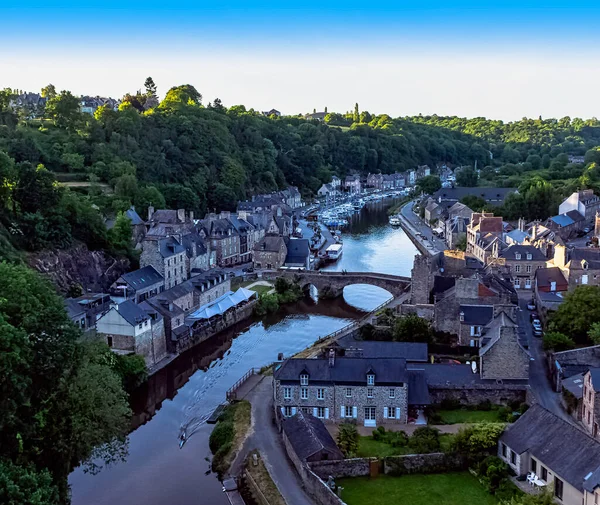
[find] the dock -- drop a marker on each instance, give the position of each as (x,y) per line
(214,417)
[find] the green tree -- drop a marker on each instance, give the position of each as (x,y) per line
(49,91)
(150,87)
(594,333)
(429,184)
(121,234)
(577,313)
(180,96)
(356,117)
(411,328)
(557,342)
(478,440)
(63,109)
(7,177)
(24,485)
(475,203)
(347,439)
(467,177)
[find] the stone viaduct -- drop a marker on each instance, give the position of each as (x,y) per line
(332,284)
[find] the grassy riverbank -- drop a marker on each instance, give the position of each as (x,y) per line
(259,483)
(229,434)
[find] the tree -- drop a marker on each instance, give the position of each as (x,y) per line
(577,313)
(63,109)
(7,177)
(429,184)
(411,328)
(121,235)
(424,440)
(24,485)
(594,333)
(478,440)
(356,117)
(180,96)
(475,203)
(36,189)
(557,342)
(49,91)
(150,88)
(467,177)
(347,439)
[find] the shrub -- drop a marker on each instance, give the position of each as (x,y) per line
(484,405)
(267,304)
(221,435)
(397,439)
(412,328)
(425,439)
(218,461)
(557,342)
(366,331)
(379,434)
(478,440)
(347,439)
(493,471)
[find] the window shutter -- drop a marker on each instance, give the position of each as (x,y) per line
(315,412)
(342,411)
(385,412)
(397,412)
(283,410)
(326,413)
(354,412)
(293,410)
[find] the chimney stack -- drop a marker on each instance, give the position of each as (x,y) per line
(150,212)
(181,215)
(331,357)
(192,216)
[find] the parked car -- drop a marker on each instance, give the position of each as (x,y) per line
(248,270)
(531,305)
(534,316)
(537,328)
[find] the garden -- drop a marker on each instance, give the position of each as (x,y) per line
(452,412)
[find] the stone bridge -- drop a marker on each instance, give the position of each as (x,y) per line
(332,284)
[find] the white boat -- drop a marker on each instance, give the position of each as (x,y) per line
(333,252)
(394,221)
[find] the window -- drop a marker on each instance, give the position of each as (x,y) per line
(544,474)
(517,268)
(504,449)
(370,379)
(140,326)
(306,410)
(392,412)
(584,279)
(518,256)
(304,393)
(517,283)
(287,411)
(320,412)
(552,285)
(513,457)
(528,283)
(533,465)
(369,392)
(109,341)
(304,380)
(287,393)
(348,392)
(320,393)
(348,411)
(392,393)
(529,256)
(475,331)
(528,269)
(558,488)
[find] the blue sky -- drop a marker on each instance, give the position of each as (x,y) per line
(499,59)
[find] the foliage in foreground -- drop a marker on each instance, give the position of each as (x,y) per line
(229,430)
(347,439)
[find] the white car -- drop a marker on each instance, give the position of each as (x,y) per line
(537,328)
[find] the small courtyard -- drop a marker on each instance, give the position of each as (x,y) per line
(456,488)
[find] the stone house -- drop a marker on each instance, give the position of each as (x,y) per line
(336,182)
(368,391)
(327,190)
(352,184)
(223,238)
(590,414)
(309,438)
(550,286)
(291,197)
(270,252)
(455,230)
(298,253)
(198,256)
(166,222)
(484,236)
(167,256)
(561,455)
(519,264)
(246,233)
(566,225)
(580,266)
(375,181)
(585,202)
(138,285)
(84,310)
(433,212)
(127,328)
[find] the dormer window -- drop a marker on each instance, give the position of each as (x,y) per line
(370,379)
(584,265)
(518,256)
(529,256)
(304,379)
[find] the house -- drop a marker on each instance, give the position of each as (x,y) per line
(566,225)
(138,285)
(561,455)
(319,116)
(590,414)
(291,197)
(198,256)
(245,232)
(270,252)
(352,184)
(351,347)
(375,181)
(566,364)
(433,212)
(550,287)
(519,264)
(484,236)
(167,256)
(423,171)
(366,390)
(309,438)
(336,182)
(272,112)
(298,254)
(492,196)
(579,160)
(223,238)
(585,202)
(580,266)
(327,190)
(128,328)
(85,309)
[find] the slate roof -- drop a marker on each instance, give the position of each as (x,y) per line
(74,310)
(560,446)
(298,251)
(450,374)
(517,235)
(189,239)
(477,314)
(545,276)
(510,253)
(132,313)
(308,435)
(574,385)
(134,216)
(345,370)
(410,351)
(595,373)
(270,244)
(418,393)
(170,247)
(142,278)
(591,255)
(488,194)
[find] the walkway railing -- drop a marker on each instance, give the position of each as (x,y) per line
(231,392)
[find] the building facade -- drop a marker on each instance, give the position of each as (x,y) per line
(590,415)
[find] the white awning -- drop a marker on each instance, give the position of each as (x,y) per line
(222,304)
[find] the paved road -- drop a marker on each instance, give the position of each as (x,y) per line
(538,378)
(267,440)
(416,222)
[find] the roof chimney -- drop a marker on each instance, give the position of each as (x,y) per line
(331,357)
(150,212)
(181,215)
(462,316)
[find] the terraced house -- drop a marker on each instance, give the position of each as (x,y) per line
(369,391)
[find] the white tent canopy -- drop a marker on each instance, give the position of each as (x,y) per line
(222,304)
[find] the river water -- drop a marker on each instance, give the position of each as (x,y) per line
(185,392)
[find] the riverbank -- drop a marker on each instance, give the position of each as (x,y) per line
(419,233)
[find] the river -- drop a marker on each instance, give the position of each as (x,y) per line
(156,471)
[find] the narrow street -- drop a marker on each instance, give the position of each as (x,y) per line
(433,243)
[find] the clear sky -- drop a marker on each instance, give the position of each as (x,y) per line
(501,59)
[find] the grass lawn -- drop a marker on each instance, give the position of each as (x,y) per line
(469,416)
(369,448)
(458,488)
(261,289)
(263,481)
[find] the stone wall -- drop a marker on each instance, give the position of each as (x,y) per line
(438,462)
(355,467)
(506,359)
(587,356)
(499,394)
(425,311)
(420,281)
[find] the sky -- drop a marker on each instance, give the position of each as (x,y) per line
(499,59)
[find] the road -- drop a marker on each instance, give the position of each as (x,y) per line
(268,441)
(538,377)
(417,223)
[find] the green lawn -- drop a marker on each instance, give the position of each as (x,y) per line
(369,448)
(458,488)
(261,289)
(469,416)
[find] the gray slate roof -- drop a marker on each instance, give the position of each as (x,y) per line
(595,373)
(132,313)
(512,250)
(170,247)
(142,278)
(418,392)
(477,314)
(488,194)
(410,351)
(345,370)
(446,374)
(308,435)
(560,446)
(297,251)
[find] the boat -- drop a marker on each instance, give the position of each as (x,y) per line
(333,252)
(394,221)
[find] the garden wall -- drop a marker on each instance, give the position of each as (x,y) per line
(437,462)
(498,394)
(355,467)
